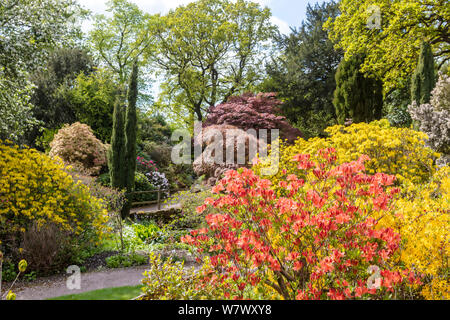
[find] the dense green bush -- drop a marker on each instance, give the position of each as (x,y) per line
(158,152)
(126,261)
(147,231)
(9,272)
(398,116)
(104,179)
(100,188)
(313,124)
(143,184)
(189,218)
(46,137)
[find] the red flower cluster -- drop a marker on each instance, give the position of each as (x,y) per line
(315,240)
(146,165)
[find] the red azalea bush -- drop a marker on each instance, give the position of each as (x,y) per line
(145,166)
(316,239)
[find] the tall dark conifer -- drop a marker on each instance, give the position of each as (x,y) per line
(357,97)
(303,75)
(424,77)
(116,154)
(131,133)
(131,128)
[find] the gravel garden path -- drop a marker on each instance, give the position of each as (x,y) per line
(55,286)
(97,277)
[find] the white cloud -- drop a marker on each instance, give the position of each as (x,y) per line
(94,6)
(282,25)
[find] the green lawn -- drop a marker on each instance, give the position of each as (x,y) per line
(120,293)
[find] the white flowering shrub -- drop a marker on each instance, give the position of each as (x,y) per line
(436,124)
(16,116)
(434,118)
(440,99)
(159,181)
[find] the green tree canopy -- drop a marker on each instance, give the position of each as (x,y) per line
(393,48)
(30,29)
(93,97)
(122,38)
(208,51)
(51,99)
(303,74)
(153,127)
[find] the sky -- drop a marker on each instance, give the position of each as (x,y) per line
(286,13)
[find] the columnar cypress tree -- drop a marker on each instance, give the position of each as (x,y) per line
(131,132)
(131,128)
(424,77)
(357,97)
(116,154)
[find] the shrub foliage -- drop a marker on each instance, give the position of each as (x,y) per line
(77,146)
(35,192)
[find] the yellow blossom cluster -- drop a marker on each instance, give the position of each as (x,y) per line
(422,218)
(35,189)
(397,151)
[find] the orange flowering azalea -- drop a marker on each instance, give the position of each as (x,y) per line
(313,239)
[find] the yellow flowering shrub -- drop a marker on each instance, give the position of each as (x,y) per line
(422,218)
(421,212)
(35,190)
(397,151)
